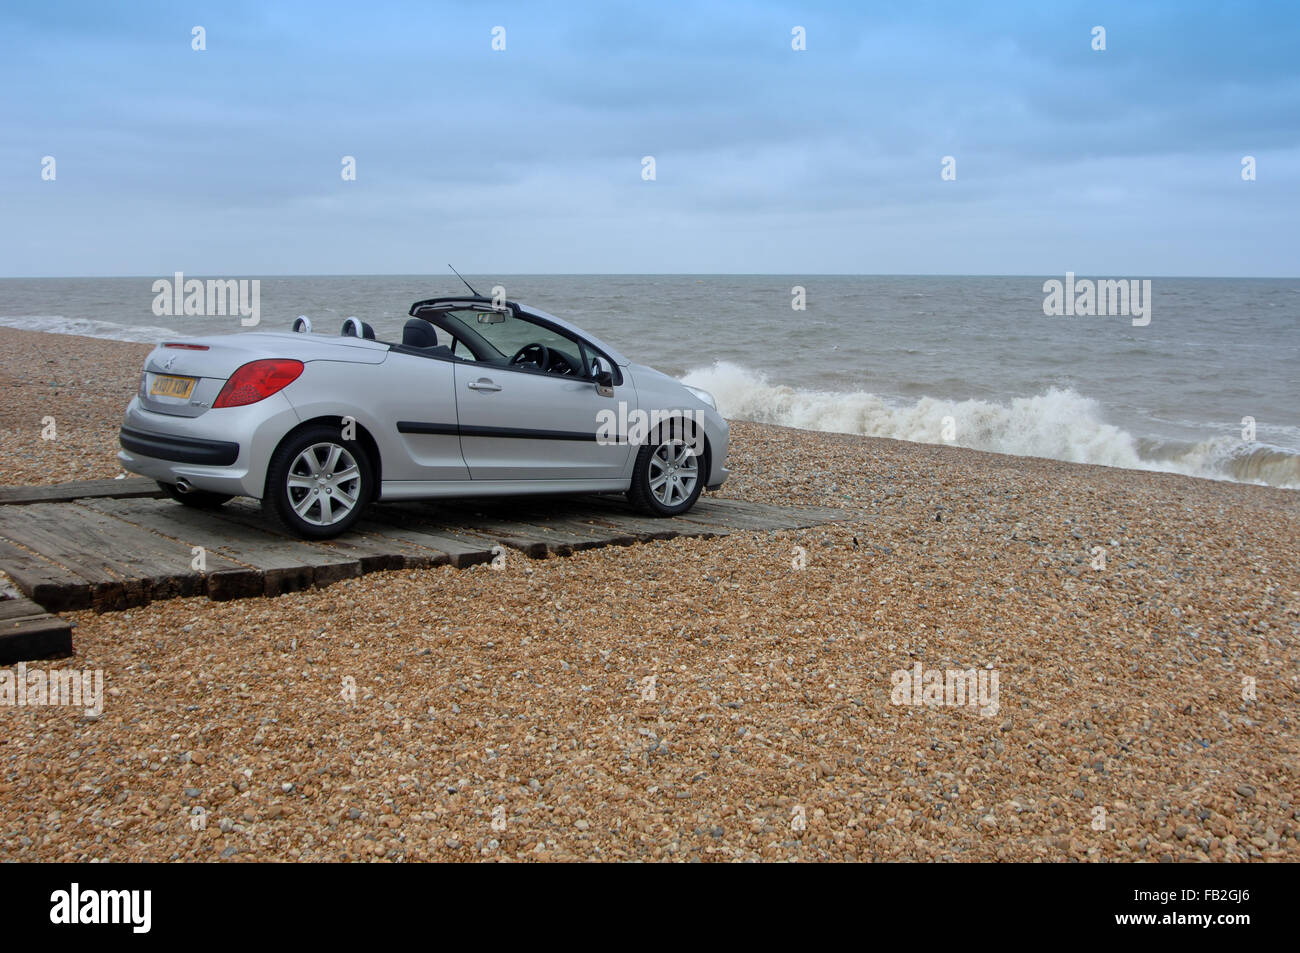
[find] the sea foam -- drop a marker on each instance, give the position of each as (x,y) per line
(86,327)
(1059,424)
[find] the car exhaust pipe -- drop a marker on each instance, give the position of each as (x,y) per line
(183,485)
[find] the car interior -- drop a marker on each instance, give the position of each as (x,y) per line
(492,337)
(486,335)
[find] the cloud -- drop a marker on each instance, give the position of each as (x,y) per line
(530,158)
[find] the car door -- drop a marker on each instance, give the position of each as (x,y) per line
(418,397)
(518,424)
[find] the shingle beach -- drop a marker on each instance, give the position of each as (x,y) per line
(723,699)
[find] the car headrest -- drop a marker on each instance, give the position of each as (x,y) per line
(355,327)
(418,333)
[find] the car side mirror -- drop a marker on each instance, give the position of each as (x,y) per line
(602,377)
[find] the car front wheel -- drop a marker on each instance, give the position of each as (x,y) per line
(318,483)
(668,476)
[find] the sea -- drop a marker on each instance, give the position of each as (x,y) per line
(1205,384)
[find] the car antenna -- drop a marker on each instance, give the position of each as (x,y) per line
(467,284)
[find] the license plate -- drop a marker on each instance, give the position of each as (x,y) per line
(164,386)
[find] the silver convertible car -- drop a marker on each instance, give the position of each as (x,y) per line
(480,398)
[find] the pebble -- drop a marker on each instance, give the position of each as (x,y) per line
(1104,695)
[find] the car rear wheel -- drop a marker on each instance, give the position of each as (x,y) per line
(199,499)
(668,476)
(318,483)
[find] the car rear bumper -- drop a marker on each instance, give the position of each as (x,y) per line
(213,453)
(224,450)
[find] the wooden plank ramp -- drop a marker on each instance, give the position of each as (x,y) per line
(28,632)
(107,552)
(79,490)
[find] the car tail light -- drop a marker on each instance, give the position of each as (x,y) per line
(256,381)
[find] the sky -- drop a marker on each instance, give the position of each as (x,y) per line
(1123,162)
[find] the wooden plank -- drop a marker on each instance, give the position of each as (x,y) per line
(777,517)
(646,527)
(27,525)
(567,536)
(166,562)
(727,518)
(375,552)
(235,584)
(129,487)
(733,513)
(50,586)
(441,550)
(286,565)
(496,523)
(132,562)
(559,525)
(531,547)
(711,517)
(224,577)
(34,637)
(380,553)
(110,552)
(114,581)
(708,519)
(530,539)
(414,524)
(618,513)
(18,608)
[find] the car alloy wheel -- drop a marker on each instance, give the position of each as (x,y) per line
(674,471)
(324,484)
(318,483)
(668,475)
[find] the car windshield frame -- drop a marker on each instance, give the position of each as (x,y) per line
(445,315)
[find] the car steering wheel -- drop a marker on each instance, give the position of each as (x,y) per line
(542,360)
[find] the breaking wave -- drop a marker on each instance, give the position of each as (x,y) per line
(86,327)
(1059,424)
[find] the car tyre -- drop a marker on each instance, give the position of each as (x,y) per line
(199,499)
(669,475)
(317,483)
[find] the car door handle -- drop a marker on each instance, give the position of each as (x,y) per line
(483,384)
